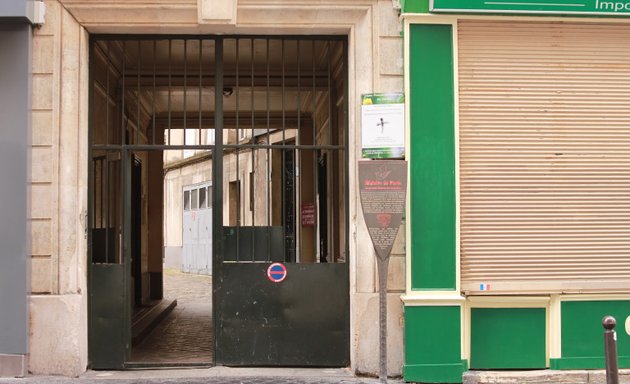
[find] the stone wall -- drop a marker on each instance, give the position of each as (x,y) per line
(58,196)
(388,77)
(58,337)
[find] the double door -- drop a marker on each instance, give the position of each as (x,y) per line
(271,143)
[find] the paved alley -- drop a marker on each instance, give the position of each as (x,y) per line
(185,335)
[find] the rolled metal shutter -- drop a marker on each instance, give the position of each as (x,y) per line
(544,134)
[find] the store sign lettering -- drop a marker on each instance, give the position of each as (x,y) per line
(562,7)
(610,6)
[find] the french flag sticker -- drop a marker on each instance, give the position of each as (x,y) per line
(484,287)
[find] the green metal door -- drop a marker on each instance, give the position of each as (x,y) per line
(281,195)
(109,300)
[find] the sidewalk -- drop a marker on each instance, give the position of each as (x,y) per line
(215,375)
(545,376)
(226,375)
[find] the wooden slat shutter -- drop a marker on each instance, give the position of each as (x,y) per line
(544,156)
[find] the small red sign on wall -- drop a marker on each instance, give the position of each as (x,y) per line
(308,214)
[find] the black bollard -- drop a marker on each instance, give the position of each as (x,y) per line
(610,349)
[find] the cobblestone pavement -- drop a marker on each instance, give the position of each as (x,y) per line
(185,335)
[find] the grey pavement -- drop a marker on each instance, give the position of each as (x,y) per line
(225,375)
(215,375)
(543,376)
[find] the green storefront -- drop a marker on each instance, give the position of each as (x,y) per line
(519,160)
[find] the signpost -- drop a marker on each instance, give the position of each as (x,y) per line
(560,7)
(383,187)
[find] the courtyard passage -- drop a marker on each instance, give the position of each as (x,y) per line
(184,337)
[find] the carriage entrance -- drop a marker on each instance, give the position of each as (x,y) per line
(220,156)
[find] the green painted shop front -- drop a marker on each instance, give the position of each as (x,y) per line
(448,330)
(432,332)
(582,346)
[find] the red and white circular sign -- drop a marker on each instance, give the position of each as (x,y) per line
(277,272)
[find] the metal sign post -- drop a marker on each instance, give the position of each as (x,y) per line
(383,187)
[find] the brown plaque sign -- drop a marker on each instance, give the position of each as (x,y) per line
(383,187)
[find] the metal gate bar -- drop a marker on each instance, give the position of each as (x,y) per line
(254,46)
(217,182)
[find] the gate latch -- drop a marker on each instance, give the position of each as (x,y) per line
(84,216)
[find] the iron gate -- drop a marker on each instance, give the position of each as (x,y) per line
(267,118)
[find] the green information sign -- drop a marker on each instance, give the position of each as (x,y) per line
(562,7)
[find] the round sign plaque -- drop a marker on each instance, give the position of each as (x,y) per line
(277,272)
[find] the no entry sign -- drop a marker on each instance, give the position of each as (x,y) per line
(277,272)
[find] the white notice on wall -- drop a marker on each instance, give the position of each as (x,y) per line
(383,125)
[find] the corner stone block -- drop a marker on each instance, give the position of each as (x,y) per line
(58,335)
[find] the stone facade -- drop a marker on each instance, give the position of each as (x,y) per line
(58,187)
